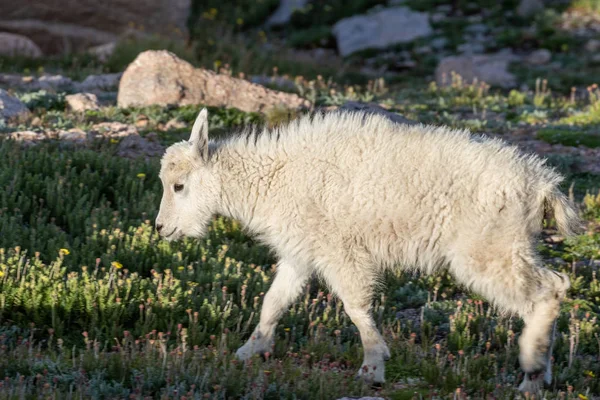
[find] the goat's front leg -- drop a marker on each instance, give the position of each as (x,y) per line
(285,289)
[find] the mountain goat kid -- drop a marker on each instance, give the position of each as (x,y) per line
(349,195)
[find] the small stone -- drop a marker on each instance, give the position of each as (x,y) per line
(142,121)
(102,82)
(136,146)
(11,107)
(13,45)
(539,57)
(73,135)
(175,123)
(103,52)
(27,137)
(52,82)
(81,102)
(592,45)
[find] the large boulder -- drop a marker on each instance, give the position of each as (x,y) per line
(159,77)
(16,45)
(11,107)
(380,29)
(59,26)
(489,68)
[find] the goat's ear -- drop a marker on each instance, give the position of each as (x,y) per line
(199,136)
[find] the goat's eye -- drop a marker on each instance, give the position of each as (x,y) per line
(178,187)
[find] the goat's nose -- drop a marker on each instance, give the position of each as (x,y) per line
(159,227)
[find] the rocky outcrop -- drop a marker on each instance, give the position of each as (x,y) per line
(160,77)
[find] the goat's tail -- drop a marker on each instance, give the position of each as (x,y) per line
(565,214)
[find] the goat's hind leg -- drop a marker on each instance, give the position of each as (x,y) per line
(516,283)
(537,338)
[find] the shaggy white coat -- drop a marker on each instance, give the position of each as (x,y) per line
(348,195)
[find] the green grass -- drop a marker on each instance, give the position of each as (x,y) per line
(93,301)
(569,137)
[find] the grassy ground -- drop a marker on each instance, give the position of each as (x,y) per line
(94,305)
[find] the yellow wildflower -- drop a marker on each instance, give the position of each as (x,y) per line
(583,397)
(590,374)
(116,264)
(181,268)
(114,141)
(141,175)
(1,274)
(64,252)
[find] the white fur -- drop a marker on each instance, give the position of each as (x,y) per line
(347,195)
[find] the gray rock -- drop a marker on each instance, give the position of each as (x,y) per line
(380,29)
(592,45)
(136,146)
(12,45)
(54,82)
(539,57)
(11,107)
(284,12)
(489,68)
(80,102)
(103,51)
(372,108)
(102,82)
(528,8)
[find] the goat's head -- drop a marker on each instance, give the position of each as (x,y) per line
(190,186)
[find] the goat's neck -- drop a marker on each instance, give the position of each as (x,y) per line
(245,184)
